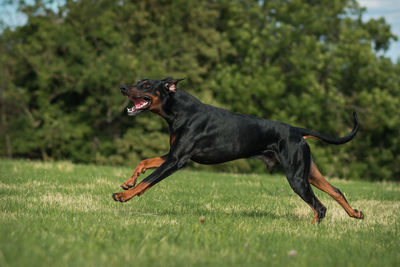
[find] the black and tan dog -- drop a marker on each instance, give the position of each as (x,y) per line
(210,135)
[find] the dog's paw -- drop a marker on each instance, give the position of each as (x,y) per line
(131,182)
(128,194)
(360,215)
(119,197)
(126,186)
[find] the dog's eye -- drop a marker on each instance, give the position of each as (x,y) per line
(145,85)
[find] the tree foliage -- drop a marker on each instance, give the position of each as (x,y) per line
(307,63)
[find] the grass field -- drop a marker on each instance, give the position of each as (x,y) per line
(61,214)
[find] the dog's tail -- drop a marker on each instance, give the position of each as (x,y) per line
(331,140)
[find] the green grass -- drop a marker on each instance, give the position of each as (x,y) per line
(61,214)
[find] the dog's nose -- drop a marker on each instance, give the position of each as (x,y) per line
(124,88)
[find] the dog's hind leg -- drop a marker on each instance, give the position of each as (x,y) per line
(297,167)
(304,190)
(317,180)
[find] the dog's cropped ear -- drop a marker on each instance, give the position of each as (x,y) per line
(171,84)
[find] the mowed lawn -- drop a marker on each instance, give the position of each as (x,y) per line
(62,214)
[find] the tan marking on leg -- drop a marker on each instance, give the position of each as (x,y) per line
(141,168)
(317,180)
(144,190)
(315,214)
(128,194)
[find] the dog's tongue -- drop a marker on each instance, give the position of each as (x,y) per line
(139,102)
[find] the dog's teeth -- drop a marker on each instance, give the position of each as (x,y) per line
(134,108)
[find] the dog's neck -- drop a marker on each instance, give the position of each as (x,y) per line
(176,106)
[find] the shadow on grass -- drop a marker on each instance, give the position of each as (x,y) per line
(220,213)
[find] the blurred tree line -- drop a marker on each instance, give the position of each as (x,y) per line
(304,62)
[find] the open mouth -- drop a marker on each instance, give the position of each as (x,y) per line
(140,103)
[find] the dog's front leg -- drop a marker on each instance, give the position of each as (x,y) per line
(170,165)
(141,168)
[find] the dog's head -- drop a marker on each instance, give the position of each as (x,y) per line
(148,94)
